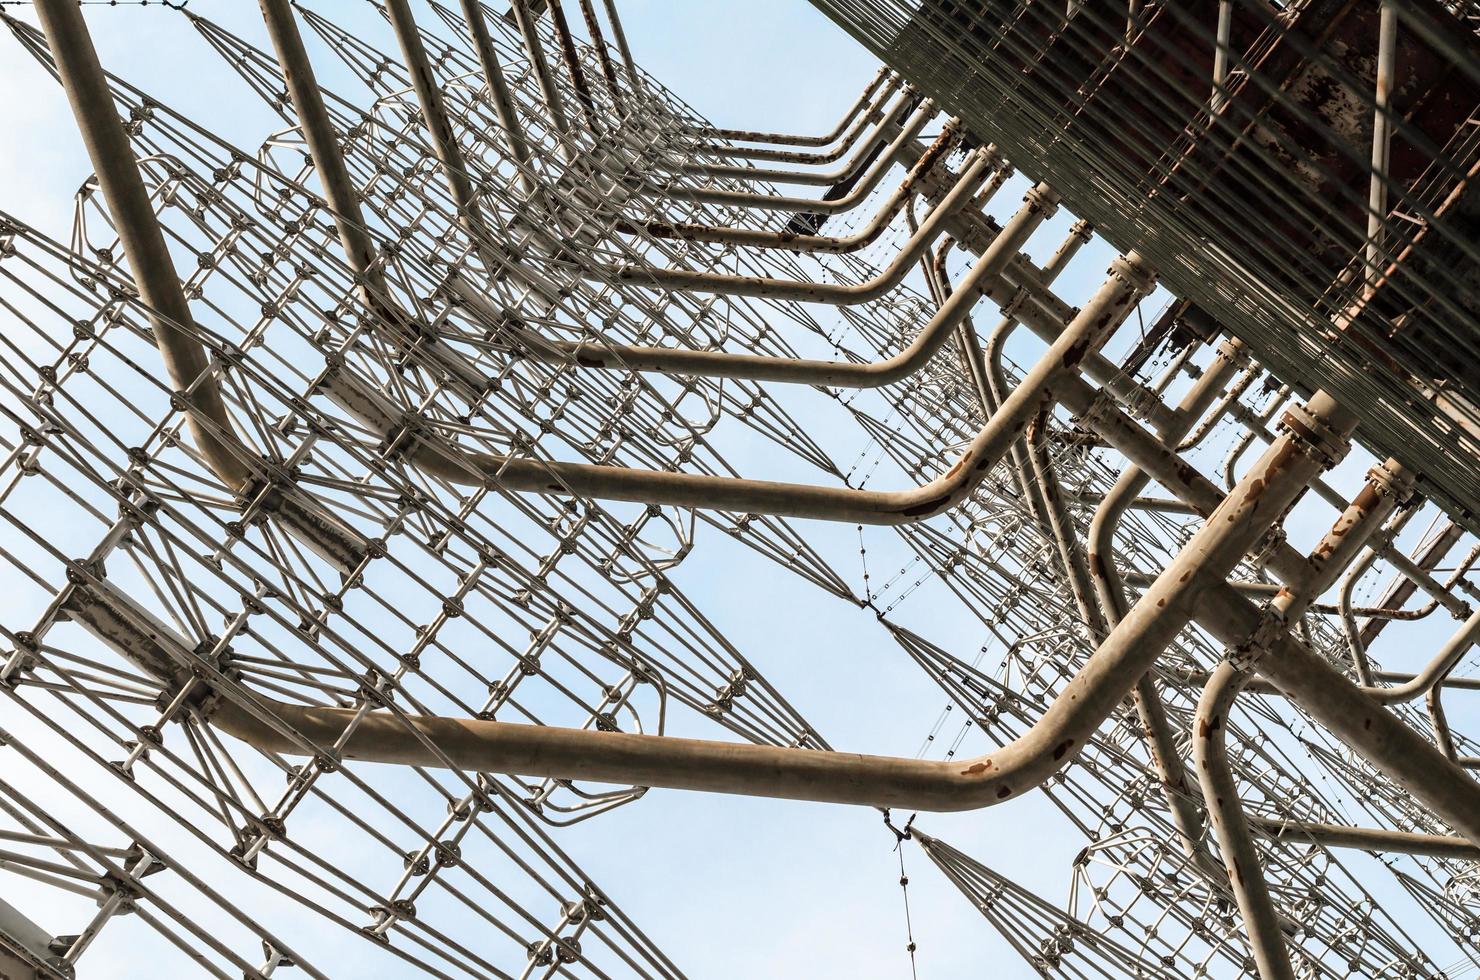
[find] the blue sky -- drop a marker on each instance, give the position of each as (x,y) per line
(727,886)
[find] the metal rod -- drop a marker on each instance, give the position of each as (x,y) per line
(885,131)
(720,364)
(529,29)
(786,140)
(1367,839)
(1060,733)
(860,192)
(978,168)
(171,321)
(498,91)
(1226,814)
(1387,48)
(795,242)
(633,75)
(874,112)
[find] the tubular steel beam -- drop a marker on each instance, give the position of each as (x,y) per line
(498,90)
(845,374)
(826,178)
(529,30)
(861,190)
(634,77)
(1366,838)
(782,139)
(798,242)
(171,321)
(978,168)
(1226,813)
(1057,737)
(874,112)
(1165,755)
(1040,386)
(434,118)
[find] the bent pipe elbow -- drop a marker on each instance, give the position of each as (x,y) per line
(801,242)
(807,291)
(864,187)
(783,139)
(654,760)
(849,169)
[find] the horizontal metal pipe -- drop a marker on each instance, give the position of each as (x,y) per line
(771,202)
(824,178)
(789,370)
(1060,734)
(787,140)
(798,242)
(1367,839)
(1129,280)
(978,168)
(873,112)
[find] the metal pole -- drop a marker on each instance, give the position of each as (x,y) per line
(1387,48)
(782,139)
(1226,813)
(434,117)
(922,172)
(1039,204)
(529,30)
(170,318)
(498,91)
(633,75)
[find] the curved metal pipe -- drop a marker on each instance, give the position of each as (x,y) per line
(786,140)
(789,370)
(873,113)
(1226,813)
(1128,281)
(1165,754)
(824,178)
(978,168)
(1055,739)
(771,202)
(796,242)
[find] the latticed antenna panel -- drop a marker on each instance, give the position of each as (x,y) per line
(403,533)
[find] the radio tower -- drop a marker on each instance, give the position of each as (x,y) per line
(372,488)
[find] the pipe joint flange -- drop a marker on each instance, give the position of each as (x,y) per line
(1264,549)
(1044,199)
(1312,437)
(989,153)
(980,231)
(1390,481)
(1244,656)
(1141,402)
(1234,352)
(1019,299)
(1098,412)
(1135,272)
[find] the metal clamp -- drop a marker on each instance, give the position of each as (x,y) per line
(1313,437)
(1270,631)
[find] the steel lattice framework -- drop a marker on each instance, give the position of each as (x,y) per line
(348,479)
